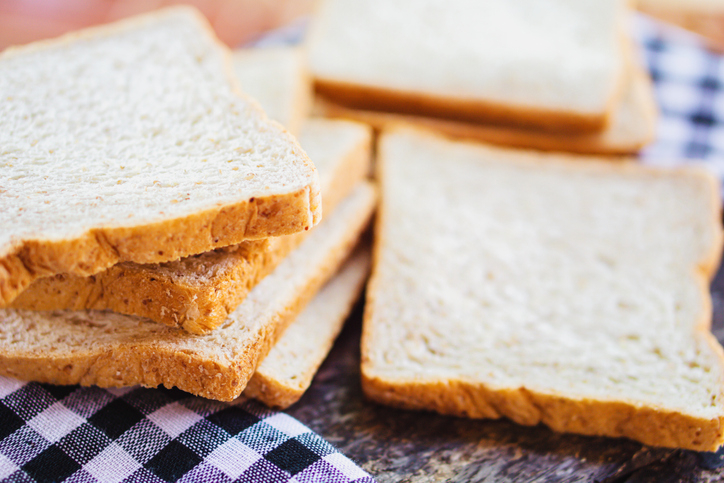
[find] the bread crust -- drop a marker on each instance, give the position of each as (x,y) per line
(480,111)
(649,425)
(100,248)
(198,305)
(273,392)
(614,140)
(156,242)
(267,386)
(152,361)
(655,426)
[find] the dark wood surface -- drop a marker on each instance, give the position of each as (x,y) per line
(400,446)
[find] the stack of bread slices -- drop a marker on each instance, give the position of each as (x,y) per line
(158,228)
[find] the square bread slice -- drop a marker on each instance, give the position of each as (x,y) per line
(632,126)
(545,289)
(197,293)
(287,371)
(132,142)
(277,78)
(114,350)
(555,64)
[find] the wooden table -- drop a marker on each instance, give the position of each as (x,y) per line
(399,446)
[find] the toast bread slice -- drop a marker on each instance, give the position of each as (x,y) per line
(556,65)
(132,142)
(546,289)
(287,371)
(197,293)
(114,350)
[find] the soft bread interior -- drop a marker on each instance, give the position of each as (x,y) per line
(509,270)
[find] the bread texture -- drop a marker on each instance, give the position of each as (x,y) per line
(632,126)
(132,142)
(545,289)
(113,350)
(198,292)
(277,78)
(287,371)
(555,64)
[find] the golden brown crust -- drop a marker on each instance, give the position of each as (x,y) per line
(418,104)
(612,141)
(99,248)
(273,392)
(130,365)
(158,242)
(649,425)
(152,363)
(197,306)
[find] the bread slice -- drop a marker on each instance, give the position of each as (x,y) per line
(277,78)
(545,289)
(113,350)
(632,126)
(132,142)
(199,292)
(287,371)
(558,65)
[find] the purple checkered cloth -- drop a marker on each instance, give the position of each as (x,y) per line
(689,85)
(78,434)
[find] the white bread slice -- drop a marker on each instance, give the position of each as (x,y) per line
(632,126)
(131,142)
(546,289)
(199,292)
(555,64)
(287,371)
(277,78)
(113,350)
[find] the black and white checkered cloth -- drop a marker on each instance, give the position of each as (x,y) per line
(73,434)
(50,433)
(689,83)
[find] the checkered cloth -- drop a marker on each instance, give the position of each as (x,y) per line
(689,83)
(68,433)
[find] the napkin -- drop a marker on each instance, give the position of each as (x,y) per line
(88,434)
(689,82)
